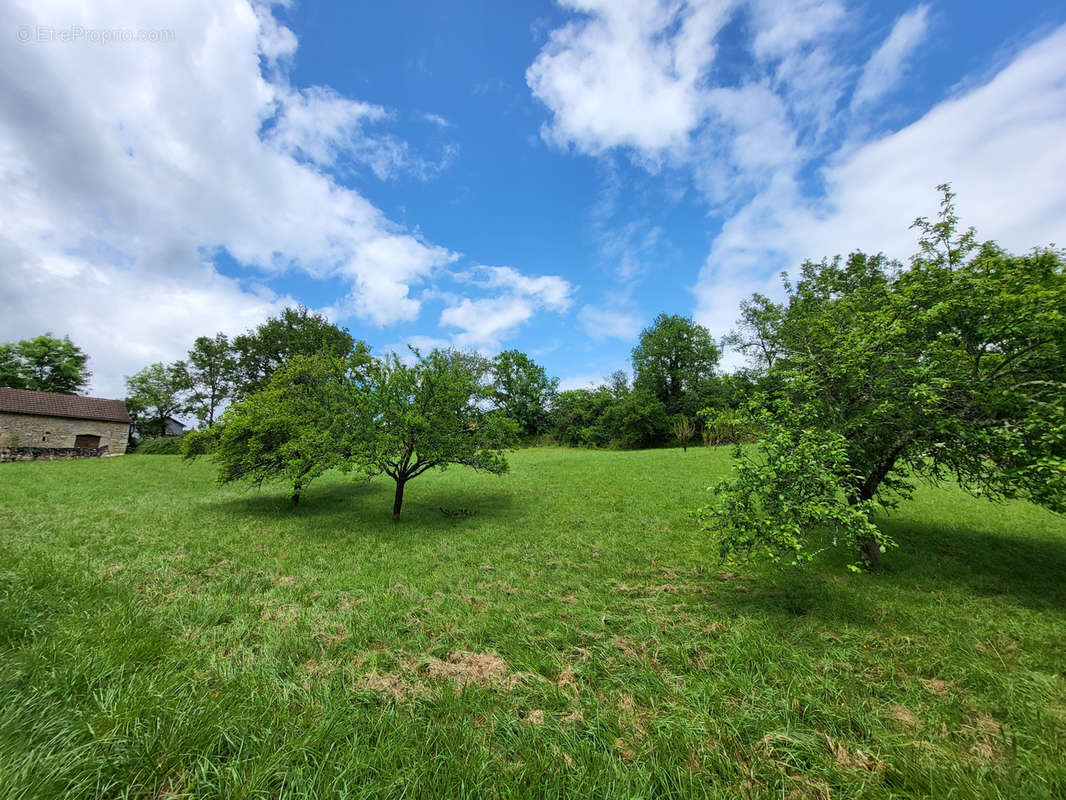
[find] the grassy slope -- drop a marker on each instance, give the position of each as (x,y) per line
(160,637)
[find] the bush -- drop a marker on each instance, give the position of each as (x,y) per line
(161,446)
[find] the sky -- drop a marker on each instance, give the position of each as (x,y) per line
(532,175)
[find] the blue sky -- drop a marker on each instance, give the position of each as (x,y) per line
(491,175)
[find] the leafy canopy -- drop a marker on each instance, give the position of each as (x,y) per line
(674,359)
(312,416)
(432,413)
(952,369)
(357,413)
(154,393)
(44,364)
(297,331)
(212,372)
(523,390)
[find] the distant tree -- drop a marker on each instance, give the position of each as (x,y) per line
(674,357)
(577,416)
(522,389)
(311,416)
(431,414)
(298,331)
(637,420)
(156,392)
(618,383)
(212,371)
(11,373)
(952,369)
(44,364)
(683,429)
(758,331)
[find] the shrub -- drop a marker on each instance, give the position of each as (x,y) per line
(161,446)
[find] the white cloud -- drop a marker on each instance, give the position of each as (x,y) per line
(486,322)
(1000,145)
(627,74)
(788,175)
(120,163)
(436,119)
(122,318)
(884,70)
(585,381)
(549,291)
(601,323)
(783,27)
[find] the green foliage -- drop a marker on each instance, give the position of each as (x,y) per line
(683,429)
(322,412)
(757,332)
(577,415)
(11,373)
(161,446)
(212,371)
(431,414)
(673,360)
(635,420)
(154,393)
(791,497)
(44,364)
(311,417)
(298,331)
(952,369)
(725,426)
(523,390)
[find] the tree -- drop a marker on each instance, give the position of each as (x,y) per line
(683,429)
(311,416)
(638,419)
(11,373)
(431,414)
(522,389)
(952,369)
(44,364)
(757,331)
(674,357)
(298,331)
(212,370)
(156,392)
(577,415)
(774,502)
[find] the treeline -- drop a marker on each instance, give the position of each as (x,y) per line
(676,395)
(219,371)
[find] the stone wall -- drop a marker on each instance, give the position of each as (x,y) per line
(50,453)
(39,432)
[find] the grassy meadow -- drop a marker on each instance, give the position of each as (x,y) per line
(564,631)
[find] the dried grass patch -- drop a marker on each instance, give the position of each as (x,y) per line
(937,686)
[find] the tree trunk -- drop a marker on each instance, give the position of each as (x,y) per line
(869,549)
(295,498)
(398,502)
(870,552)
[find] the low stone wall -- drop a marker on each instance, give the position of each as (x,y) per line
(50,453)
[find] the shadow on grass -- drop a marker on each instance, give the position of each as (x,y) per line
(339,508)
(1025,568)
(934,559)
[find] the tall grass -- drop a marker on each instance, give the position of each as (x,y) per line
(563,632)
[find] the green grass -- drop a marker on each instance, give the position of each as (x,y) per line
(573,637)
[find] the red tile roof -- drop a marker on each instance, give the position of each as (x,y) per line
(72,406)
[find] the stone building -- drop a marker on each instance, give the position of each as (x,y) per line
(43,420)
